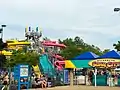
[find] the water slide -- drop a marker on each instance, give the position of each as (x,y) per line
(60,62)
(46,66)
(6,53)
(36,70)
(53,43)
(12,44)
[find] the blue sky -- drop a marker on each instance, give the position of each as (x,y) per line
(93,20)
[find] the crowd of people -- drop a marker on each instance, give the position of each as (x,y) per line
(4,78)
(39,81)
(42,81)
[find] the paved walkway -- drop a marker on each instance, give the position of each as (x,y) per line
(81,88)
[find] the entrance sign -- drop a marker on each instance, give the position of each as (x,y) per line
(21,74)
(24,70)
(105,63)
(66,77)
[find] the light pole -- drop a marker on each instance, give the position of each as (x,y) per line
(1,37)
(116,9)
(1,30)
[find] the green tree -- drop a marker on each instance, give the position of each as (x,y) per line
(18,57)
(70,52)
(77,46)
(106,50)
(117,46)
(46,39)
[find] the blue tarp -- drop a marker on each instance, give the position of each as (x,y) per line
(111,54)
(86,56)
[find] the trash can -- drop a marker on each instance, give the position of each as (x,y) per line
(101,80)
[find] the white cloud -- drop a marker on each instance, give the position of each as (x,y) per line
(93,20)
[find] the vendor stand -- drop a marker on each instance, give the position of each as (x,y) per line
(103,67)
(79,62)
(108,77)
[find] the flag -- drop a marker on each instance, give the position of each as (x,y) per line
(26,29)
(29,28)
(37,28)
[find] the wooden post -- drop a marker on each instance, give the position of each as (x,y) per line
(71,77)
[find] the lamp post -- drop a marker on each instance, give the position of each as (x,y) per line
(1,41)
(1,30)
(116,9)
(1,37)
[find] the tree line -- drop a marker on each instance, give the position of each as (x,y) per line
(76,46)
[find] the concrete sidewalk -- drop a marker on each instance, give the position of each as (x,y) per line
(80,87)
(53,88)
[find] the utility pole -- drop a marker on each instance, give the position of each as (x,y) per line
(2,44)
(1,30)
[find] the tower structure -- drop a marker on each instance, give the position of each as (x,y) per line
(34,36)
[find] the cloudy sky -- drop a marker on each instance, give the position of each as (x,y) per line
(92,20)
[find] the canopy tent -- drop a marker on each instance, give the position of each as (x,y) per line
(86,55)
(81,61)
(107,60)
(111,54)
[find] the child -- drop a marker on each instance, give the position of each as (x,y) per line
(43,81)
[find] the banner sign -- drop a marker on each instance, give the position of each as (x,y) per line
(21,72)
(105,63)
(66,77)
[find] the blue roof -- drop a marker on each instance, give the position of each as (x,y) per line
(86,55)
(111,54)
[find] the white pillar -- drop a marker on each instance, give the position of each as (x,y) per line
(95,73)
